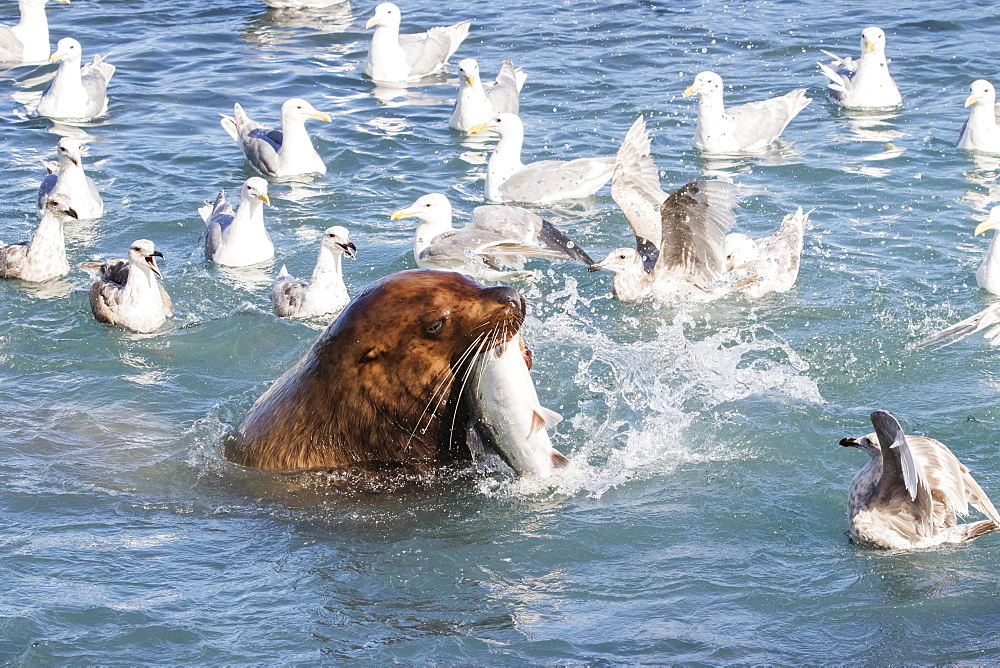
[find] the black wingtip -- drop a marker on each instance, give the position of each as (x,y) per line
(553,238)
(648,252)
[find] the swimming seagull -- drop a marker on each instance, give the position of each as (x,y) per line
(285,152)
(863,83)
(325,293)
(126,292)
(498,237)
(749,127)
(682,249)
(395,58)
(28,40)
(981,132)
(477,102)
(68,178)
(44,256)
(509,180)
(282,4)
(909,495)
(78,93)
(239,238)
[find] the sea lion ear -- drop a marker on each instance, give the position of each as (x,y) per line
(370,356)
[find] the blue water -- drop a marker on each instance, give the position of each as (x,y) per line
(703,519)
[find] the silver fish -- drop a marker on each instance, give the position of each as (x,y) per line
(507,415)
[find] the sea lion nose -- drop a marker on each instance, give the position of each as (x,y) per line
(507,295)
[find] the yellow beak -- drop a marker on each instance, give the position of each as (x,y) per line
(264,198)
(972,99)
(482,127)
(321,116)
(988,224)
(58,55)
(690,90)
(373,21)
(869,46)
(471,79)
(402,213)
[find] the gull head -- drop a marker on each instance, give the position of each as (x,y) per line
(67,49)
(298,109)
(990,223)
(620,261)
(981,91)
(337,240)
(872,39)
(58,205)
(386,14)
(506,124)
(706,83)
(69,151)
(867,443)
(433,208)
(143,254)
(254,188)
(470,71)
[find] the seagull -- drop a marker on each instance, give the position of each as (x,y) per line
(325,293)
(498,237)
(44,256)
(682,249)
(127,293)
(78,93)
(238,239)
(865,83)
(981,132)
(284,152)
(477,102)
(68,178)
(396,58)
(282,4)
(28,41)
(509,180)
(909,495)
(749,127)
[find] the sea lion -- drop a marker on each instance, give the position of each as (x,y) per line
(380,388)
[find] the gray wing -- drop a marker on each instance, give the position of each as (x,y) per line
(900,468)
(115,270)
(760,123)
(504,93)
(996,115)
(635,186)
(695,220)
(427,52)
(11,49)
(261,148)
(45,189)
(95,78)
(550,180)
(286,297)
(512,222)
(456,249)
(104,297)
(12,256)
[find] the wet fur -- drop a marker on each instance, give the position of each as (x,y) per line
(378,388)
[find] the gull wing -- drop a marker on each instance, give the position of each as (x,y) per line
(757,124)
(552,180)
(504,93)
(426,52)
(904,465)
(635,186)
(695,220)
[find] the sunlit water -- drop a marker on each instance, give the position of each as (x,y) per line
(703,517)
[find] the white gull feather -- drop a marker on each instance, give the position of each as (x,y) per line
(280,152)
(27,41)
(911,492)
(864,83)
(325,293)
(479,102)
(981,132)
(393,57)
(44,255)
(238,239)
(69,179)
(76,93)
(126,292)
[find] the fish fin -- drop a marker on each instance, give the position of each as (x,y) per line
(559,460)
(543,417)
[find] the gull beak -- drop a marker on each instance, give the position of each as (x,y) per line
(849,442)
(401,213)
(690,90)
(597,266)
(471,79)
(75,160)
(56,56)
(151,261)
(64,1)
(989,224)
(869,46)
(350,250)
(264,198)
(482,127)
(321,116)
(373,21)
(971,100)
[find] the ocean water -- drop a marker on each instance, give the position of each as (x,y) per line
(703,519)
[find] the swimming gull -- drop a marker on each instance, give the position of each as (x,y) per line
(498,237)
(749,127)
(303,4)
(863,83)
(981,132)
(682,249)
(44,256)
(509,180)
(909,495)
(238,239)
(28,40)
(77,93)
(477,102)
(395,58)
(69,179)
(126,292)
(325,293)
(285,152)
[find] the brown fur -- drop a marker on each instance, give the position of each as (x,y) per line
(364,395)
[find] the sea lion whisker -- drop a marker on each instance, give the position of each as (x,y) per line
(465,379)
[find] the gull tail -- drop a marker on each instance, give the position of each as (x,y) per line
(510,74)
(206,212)
(553,238)
(836,80)
(987,321)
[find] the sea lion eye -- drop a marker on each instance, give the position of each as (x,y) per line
(435,327)
(369,356)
